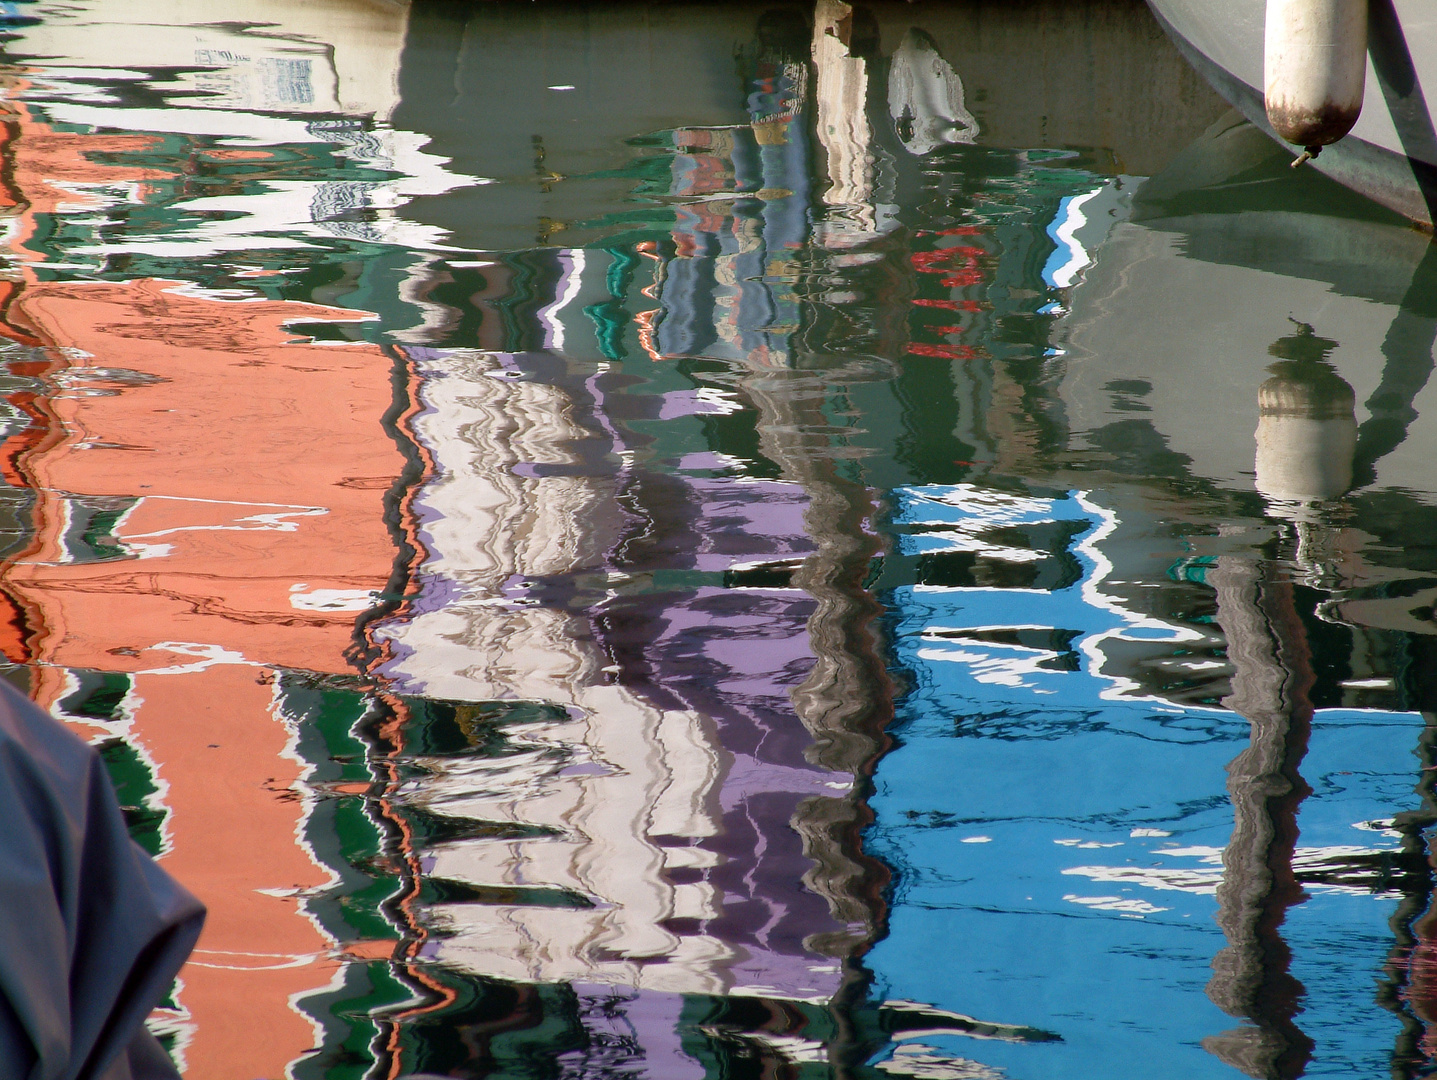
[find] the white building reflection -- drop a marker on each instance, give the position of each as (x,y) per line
(523,523)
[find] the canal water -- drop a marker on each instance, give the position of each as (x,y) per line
(725,541)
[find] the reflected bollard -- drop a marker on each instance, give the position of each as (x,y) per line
(1306,435)
(1306,428)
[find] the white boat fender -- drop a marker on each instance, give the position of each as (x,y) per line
(1314,70)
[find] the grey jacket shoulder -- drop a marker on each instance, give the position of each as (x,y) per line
(92,931)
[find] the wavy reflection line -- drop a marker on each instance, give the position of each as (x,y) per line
(1409,986)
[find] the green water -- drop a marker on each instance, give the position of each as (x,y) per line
(899,551)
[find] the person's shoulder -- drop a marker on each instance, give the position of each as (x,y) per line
(40,749)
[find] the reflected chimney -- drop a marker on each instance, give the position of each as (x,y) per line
(1307,427)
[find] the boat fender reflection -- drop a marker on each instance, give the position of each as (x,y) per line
(1314,70)
(925,97)
(1307,425)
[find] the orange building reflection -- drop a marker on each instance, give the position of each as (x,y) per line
(250,543)
(208,509)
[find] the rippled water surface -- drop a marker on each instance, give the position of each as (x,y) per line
(720,541)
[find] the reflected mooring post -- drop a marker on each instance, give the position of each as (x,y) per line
(1272,676)
(846,701)
(1306,438)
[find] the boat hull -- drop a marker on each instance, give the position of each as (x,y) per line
(1391,154)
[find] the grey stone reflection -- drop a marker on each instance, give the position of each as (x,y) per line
(843,128)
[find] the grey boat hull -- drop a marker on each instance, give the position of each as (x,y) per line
(1391,154)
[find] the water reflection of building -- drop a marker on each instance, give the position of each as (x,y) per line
(328,57)
(545,892)
(631,654)
(169,580)
(193,534)
(623,793)
(272,147)
(672,802)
